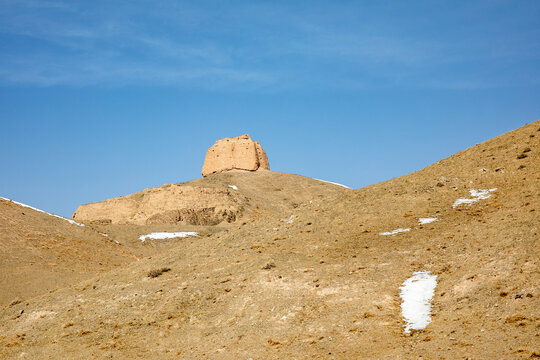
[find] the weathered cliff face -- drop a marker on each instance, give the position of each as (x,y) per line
(168,204)
(181,203)
(219,199)
(235,153)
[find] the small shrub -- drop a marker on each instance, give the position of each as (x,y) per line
(269,266)
(157,272)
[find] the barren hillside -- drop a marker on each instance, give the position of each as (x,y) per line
(249,196)
(321,279)
(216,199)
(41,252)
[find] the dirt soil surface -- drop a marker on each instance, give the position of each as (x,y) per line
(216,199)
(41,252)
(317,280)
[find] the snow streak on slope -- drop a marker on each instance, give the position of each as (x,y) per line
(416,293)
(166,235)
(476,195)
(429,220)
(330,182)
(394,232)
(41,211)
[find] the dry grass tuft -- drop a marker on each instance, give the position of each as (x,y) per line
(157,272)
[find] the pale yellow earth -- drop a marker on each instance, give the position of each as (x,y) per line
(301,273)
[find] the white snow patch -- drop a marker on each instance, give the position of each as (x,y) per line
(234,187)
(68,220)
(394,232)
(41,211)
(416,293)
(476,195)
(167,235)
(290,220)
(429,220)
(330,182)
(36,315)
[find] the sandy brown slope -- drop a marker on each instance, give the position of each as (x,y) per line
(41,252)
(209,201)
(260,194)
(325,286)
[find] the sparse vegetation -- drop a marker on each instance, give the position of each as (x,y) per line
(157,272)
(269,266)
(336,289)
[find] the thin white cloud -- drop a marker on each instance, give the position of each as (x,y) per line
(47,73)
(260,45)
(113,51)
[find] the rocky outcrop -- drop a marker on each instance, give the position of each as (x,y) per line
(167,204)
(235,153)
(207,205)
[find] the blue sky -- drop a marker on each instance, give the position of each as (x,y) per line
(106,98)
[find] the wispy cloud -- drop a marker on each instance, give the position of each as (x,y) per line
(52,48)
(73,73)
(254,45)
